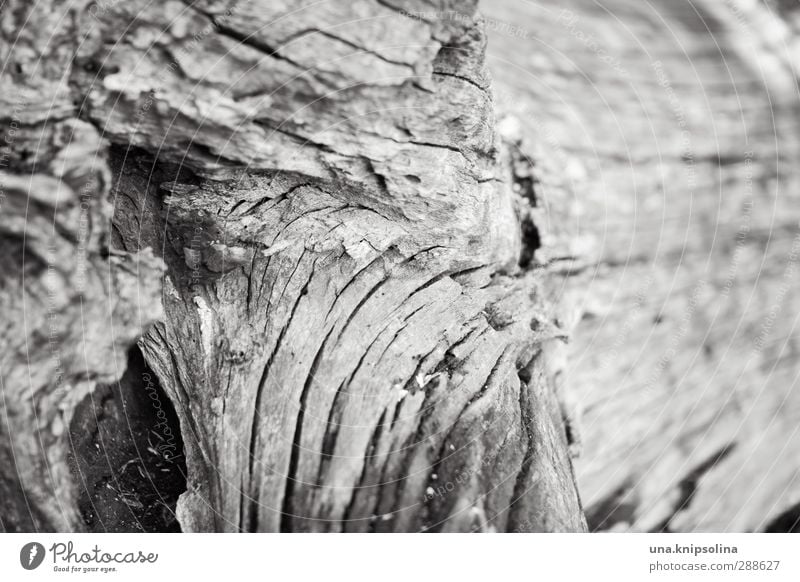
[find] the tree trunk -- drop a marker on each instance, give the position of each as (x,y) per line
(281,260)
(347,317)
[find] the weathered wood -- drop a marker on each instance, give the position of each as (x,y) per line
(365,281)
(348,338)
(670,131)
(70,310)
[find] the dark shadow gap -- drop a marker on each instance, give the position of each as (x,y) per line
(786,522)
(127,454)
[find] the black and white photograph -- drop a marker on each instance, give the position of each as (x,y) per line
(401,267)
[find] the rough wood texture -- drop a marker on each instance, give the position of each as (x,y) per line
(365,287)
(670,131)
(347,337)
(70,310)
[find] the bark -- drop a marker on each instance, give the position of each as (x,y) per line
(343,324)
(70,310)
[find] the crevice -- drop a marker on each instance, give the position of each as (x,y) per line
(396,414)
(429,283)
(277,199)
(486,385)
(349,283)
(283,291)
(127,450)
(245,39)
(253,518)
(361,304)
(466,80)
(450,360)
(329,439)
(369,455)
(524,186)
(380,178)
(412,384)
(515,522)
(403,12)
(396,335)
(441,456)
(305,32)
(265,123)
(287,508)
(437,145)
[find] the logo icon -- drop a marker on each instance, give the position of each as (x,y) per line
(31,555)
